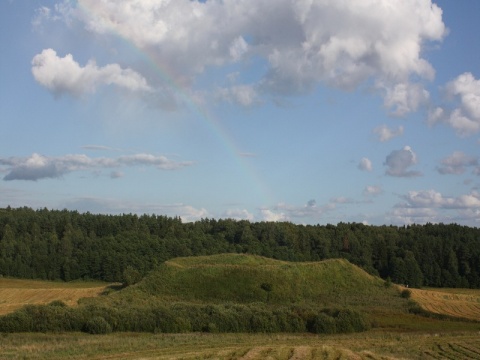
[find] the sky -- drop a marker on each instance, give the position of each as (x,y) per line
(308,111)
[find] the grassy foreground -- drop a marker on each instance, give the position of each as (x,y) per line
(370,345)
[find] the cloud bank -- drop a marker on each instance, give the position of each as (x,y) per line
(300,45)
(36,167)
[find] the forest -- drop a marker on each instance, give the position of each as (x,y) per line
(65,245)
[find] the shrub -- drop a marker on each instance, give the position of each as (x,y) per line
(406,294)
(351,321)
(97,325)
(58,303)
(322,324)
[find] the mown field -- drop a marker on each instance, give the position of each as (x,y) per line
(15,293)
(463,303)
(370,345)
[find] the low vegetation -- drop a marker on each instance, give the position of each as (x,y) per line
(222,293)
(371,345)
(233,293)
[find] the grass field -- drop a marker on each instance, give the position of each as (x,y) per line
(15,293)
(396,334)
(370,345)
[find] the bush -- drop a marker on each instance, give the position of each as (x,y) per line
(406,294)
(351,321)
(322,324)
(97,325)
(58,303)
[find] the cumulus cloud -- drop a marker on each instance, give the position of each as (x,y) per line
(464,93)
(434,199)
(384,133)
(36,167)
(238,214)
(365,164)
(405,215)
(432,206)
(64,75)
(398,163)
(404,98)
(269,215)
(457,163)
(300,43)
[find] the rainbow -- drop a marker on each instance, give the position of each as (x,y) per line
(213,125)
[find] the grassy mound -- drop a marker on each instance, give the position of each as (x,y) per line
(248,279)
(227,293)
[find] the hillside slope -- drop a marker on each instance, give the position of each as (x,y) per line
(247,279)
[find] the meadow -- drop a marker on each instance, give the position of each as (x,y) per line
(369,345)
(222,307)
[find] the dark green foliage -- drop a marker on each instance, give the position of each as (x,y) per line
(131,276)
(322,324)
(97,325)
(58,303)
(406,294)
(66,245)
(178,318)
(337,321)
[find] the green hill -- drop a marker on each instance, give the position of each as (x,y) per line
(229,293)
(246,278)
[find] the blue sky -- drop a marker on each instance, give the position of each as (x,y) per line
(311,111)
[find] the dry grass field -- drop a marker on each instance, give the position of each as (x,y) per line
(370,345)
(16,293)
(463,303)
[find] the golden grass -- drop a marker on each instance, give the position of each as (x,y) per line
(15,293)
(463,303)
(371,345)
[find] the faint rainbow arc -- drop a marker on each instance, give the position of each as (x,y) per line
(212,124)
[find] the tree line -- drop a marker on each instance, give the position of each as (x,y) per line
(68,245)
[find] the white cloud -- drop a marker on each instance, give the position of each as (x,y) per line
(384,133)
(399,161)
(434,199)
(65,75)
(269,215)
(432,206)
(238,214)
(365,164)
(464,93)
(405,215)
(372,190)
(404,98)
(301,43)
(457,163)
(38,167)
